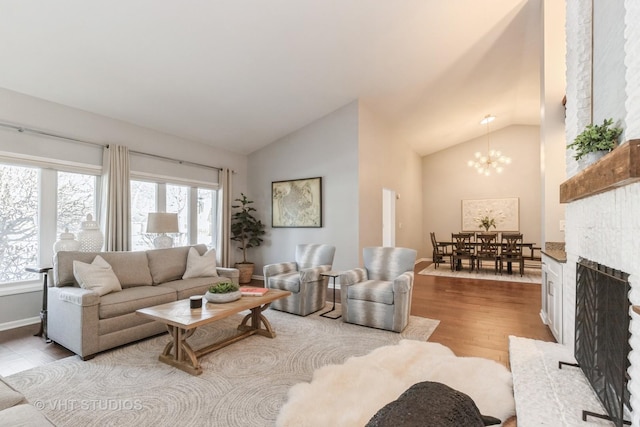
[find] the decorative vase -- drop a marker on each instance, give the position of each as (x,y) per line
(221,298)
(90,238)
(590,158)
(67,242)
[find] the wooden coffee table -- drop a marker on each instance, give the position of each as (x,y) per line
(182,322)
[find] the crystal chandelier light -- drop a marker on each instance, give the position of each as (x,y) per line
(494,160)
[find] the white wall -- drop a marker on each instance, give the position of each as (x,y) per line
(387,162)
(19,109)
(447,180)
(552,130)
(327,148)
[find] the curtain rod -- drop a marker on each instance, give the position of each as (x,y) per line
(23,129)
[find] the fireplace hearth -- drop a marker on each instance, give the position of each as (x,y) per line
(602,335)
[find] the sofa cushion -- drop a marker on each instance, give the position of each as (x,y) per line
(131,299)
(185,288)
(97,276)
(131,268)
(169,264)
(9,396)
(286,281)
(200,265)
(23,416)
(372,290)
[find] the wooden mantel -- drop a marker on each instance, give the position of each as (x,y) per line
(618,168)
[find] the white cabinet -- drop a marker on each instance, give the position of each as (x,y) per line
(551,288)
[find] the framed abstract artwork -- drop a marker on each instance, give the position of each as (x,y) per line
(504,214)
(296,203)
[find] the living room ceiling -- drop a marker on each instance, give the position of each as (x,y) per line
(240,74)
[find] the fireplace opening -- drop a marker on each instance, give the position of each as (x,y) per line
(602,335)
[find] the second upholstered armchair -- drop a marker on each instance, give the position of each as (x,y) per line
(302,278)
(379,295)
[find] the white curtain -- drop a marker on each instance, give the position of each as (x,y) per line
(223,247)
(115,203)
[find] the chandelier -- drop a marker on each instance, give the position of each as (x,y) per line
(494,160)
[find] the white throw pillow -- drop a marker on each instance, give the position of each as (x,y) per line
(97,276)
(200,266)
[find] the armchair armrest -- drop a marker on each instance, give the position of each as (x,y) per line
(279,268)
(351,277)
(313,274)
(231,273)
(403,283)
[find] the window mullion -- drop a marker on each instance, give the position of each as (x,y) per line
(47,214)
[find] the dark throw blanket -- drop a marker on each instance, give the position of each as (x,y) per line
(431,404)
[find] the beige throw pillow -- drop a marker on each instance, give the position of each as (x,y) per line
(97,276)
(200,266)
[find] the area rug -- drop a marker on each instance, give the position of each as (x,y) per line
(546,395)
(531,275)
(244,384)
(357,389)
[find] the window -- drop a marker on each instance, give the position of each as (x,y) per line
(76,199)
(36,205)
(177,201)
(19,240)
(207,217)
(196,208)
(143,201)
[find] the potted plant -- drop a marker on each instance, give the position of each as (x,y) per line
(247,231)
(595,139)
(223,292)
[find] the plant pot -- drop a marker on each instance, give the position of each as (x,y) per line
(246,271)
(220,298)
(590,158)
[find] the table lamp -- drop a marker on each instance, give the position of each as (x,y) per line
(162,223)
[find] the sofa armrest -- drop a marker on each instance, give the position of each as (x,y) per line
(403,283)
(351,277)
(313,274)
(270,270)
(230,273)
(78,296)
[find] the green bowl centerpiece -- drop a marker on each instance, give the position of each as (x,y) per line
(223,292)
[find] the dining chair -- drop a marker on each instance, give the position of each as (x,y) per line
(511,251)
(487,250)
(462,249)
(440,250)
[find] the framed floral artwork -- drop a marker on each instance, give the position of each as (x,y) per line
(491,214)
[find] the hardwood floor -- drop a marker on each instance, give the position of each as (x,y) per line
(476,319)
(477,316)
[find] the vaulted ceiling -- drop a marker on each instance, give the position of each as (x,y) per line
(239,74)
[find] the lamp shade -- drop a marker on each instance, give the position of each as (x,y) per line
(162,222)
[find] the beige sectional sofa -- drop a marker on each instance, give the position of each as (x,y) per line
(16,411)
(87,323)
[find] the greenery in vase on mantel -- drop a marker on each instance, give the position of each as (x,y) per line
(596,138)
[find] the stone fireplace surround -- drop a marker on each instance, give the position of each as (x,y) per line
(603,225)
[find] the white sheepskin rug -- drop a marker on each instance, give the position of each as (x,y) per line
(350,394)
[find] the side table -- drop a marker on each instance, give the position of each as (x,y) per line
(333,275)
(43,312)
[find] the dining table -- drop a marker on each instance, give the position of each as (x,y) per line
(532,248)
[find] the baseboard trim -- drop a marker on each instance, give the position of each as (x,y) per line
(19,323)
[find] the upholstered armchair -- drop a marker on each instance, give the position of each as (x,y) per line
(302,278)
(379,295)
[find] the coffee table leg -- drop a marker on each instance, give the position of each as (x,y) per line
(257,321)
(184,357)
